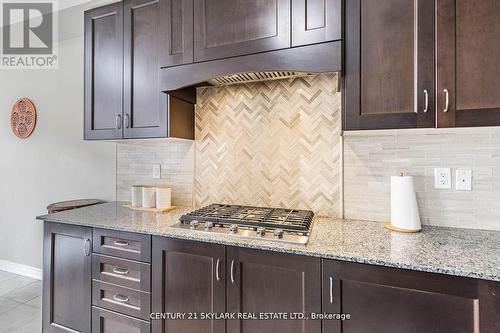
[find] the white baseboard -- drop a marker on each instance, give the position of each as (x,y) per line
(20,269)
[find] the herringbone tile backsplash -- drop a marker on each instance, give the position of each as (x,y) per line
(274,143)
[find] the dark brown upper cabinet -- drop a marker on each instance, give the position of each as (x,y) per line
(104,72)
(188,277)
(228,28)
(124,50)
(145,106)
(67,265)
(176,26)
(389,64)
(316,21)
(468,63)
(265,282)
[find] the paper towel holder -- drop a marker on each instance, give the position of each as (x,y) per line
(405,216)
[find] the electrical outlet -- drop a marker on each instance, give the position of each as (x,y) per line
(463,181)
(442,178)
(157,171)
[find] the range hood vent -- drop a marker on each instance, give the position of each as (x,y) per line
(254,77)
(272,65)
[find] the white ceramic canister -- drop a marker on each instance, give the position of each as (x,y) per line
(163,197)
(136,195)
(148,196)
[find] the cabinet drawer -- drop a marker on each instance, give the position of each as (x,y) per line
(123,300)
(104,321)
(123,244)
(123,272)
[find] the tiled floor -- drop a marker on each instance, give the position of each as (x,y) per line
(20,304)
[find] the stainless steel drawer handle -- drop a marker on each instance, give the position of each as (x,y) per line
(217,277)
(86,247)
(446,100)
(331,290)
(426,100)
(232,271)
(121,243)
(120,270)
(121,298)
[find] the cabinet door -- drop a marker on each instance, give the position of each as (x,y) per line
(104,72)
(468,63)
(145,106)
(188,277)
(227,28)
(176,26)
(67,276)
(388,300)
(267,282)
(316,21)
(389,79)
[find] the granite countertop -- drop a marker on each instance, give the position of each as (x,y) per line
(453,251)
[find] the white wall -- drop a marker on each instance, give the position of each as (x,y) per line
(54,163)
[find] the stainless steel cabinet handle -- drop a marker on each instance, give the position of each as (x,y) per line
(119,121)
(217,277)
(232,271)
(120,270)
(121,298)
(447,100)
(121,243)
(426,100)
(331,290)
(127,120)
(86,247)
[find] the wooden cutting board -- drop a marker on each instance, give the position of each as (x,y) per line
(151,210)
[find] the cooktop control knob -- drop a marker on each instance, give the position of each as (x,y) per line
(278,233)
(261,231)
(194,224)
(233,228)
(208,226)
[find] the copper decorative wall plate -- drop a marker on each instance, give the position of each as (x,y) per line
(23,118)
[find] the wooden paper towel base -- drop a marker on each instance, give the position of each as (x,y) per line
(389,226)
(151,210)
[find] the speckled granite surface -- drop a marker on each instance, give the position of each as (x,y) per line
(461,252)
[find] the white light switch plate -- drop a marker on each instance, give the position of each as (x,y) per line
(463,180)
(157,171)
(442,178)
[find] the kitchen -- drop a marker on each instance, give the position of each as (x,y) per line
(261,166)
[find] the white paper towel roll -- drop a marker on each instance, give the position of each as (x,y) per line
(404,207)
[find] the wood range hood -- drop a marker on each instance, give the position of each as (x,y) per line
(278,64)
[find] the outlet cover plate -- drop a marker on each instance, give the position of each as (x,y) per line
(442,178)
(156,171)
(463,181)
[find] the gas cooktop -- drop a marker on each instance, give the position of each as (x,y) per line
(278,224)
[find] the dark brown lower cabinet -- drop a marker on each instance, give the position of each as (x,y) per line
(104,321)
(67,276)
(188,277)
(381,299)
(196,278)
(268,282)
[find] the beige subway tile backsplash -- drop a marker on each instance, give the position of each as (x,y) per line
(370,160)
